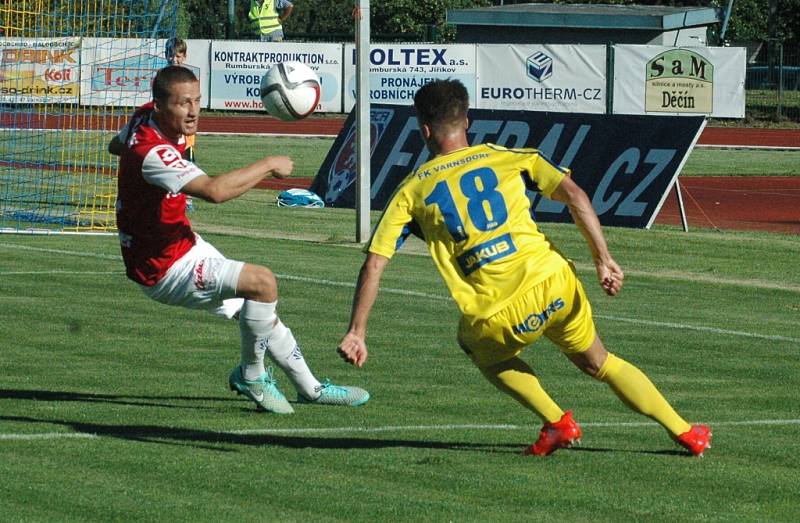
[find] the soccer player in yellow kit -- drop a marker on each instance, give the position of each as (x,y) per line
(470,207)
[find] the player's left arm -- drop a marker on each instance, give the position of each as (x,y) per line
(353,347)
(230,185)
(580,207)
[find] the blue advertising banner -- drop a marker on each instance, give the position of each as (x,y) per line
(625,163)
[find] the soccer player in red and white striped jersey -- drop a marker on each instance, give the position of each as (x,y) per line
(175,266)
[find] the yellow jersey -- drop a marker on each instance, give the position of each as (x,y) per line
(471,209)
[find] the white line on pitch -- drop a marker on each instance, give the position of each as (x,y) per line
(389,428)
(439,297)
(34,273)
(47,435)
(61,251)
(418,428)
(350,285)
(700,328)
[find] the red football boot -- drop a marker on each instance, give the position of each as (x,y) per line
(696,440)
(553,436)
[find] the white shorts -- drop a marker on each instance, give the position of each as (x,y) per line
(201,279)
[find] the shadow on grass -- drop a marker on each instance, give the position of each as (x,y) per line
(206,438)
(211,440)
(663,452)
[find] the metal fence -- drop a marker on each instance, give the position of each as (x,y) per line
(772,81)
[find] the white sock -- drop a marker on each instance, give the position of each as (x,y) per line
(284,351)
(256,324)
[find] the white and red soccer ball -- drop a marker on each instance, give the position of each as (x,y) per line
(290,91)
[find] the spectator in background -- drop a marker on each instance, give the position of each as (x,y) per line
(175,51)
(266,17)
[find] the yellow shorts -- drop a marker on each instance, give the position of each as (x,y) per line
(557,308)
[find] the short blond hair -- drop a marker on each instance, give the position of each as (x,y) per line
(174,46)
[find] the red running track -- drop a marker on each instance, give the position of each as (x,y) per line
(748,137)
(719,136)
(324,125)
(766,203)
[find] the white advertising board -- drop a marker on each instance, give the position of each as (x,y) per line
(558,78)
(398,70)
(651,79)
(197,60)
(237,68)
(120,71)
(39,70)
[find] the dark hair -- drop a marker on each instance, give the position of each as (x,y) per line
(441,102)
(166,77)
(174,46)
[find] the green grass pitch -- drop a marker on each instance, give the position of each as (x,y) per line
(113,407)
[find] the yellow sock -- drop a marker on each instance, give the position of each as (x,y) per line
(638,392)
(516,378)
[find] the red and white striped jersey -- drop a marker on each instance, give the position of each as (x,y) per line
(154,231)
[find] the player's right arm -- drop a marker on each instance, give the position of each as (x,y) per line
(389,234)
(224,187)
(116,146)
(353,347)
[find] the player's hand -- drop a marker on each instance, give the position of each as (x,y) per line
(610,276)
(353,349)
(281,166)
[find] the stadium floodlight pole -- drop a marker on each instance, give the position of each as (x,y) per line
(161,12)
(231,18)
(725,22)
(362,16)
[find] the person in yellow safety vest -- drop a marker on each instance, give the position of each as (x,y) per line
(266,17)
